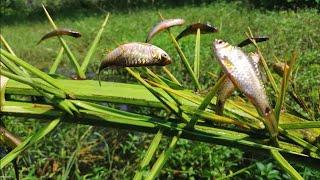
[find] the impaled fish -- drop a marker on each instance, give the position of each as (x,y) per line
(165,24)
(227,87)
(192,29)
(135,54)
(249,40)
(59,32)
(279,67)
(246,76)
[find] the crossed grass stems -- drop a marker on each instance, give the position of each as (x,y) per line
(171,100)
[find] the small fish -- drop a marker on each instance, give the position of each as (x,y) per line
(165,24)
(192,29)
(135,54)
(279,68)
(257,39)
(227,87)
(59,32)
(246,76)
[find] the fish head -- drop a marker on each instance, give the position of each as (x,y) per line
(161,57)
(219,44)
(222,50)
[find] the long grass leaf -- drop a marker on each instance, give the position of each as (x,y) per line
(183,58)
(36,85)
(148,156)
(72,58)
(170,75)
(11,66)
(162,159)
(164,156)
(6,45)
(34,70)
(93,46)
(57,61)
(29,141)
(285,165)
(196,63)
(300,125)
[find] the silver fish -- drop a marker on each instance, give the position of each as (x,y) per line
(165,24)
(227,87)
(246,76)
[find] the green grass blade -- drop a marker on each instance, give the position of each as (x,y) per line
(207,100)
(93,47)
(11,66)
(148,156)
(183,58)
(57,61)
(300,125)
(160,96)
(29,141)
(72,58)
(36,85)
(164,156)
(72,159)
(185,61)
(285,165)
(299,141)
(285,80)
(158,165)
(170,75)
(6,45)
(34,70)
(196,65)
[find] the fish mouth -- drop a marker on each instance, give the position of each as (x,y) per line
(167,61)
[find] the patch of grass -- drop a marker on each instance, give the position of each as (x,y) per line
(109,153)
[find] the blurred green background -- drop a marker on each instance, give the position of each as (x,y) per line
(292,25)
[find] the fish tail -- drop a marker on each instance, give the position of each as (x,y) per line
(219,107)
(272,124)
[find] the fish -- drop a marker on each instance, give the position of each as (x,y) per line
(205,28)
(279,67)
(135,54)
(249,40)
(245,75)
(165,24)
(59,32)
(227,87)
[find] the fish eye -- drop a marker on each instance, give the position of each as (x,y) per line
(164,55)
(220,41)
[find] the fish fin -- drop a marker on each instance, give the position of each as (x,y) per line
(226,62)
(255,57)
(255,62)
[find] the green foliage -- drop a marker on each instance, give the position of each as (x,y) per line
(116,154)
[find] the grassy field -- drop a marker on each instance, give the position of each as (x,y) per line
(112,153)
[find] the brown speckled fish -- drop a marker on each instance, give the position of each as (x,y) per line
(135,54)
(279,67)
(246,76)
(256,39)
(59,32)
(192,29)
(227,87)
(165,24)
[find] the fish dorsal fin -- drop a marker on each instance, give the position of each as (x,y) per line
(255,57)
(255,62)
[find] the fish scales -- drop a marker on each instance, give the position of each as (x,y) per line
(135,54)
(243,72)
